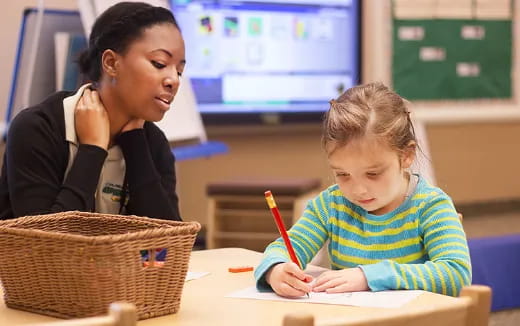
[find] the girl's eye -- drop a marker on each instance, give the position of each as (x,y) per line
(341,174)
(158,65)
(372,174)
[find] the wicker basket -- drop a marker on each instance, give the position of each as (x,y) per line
(74,264)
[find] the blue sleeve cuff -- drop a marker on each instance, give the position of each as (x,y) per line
(379,276)
(261,271)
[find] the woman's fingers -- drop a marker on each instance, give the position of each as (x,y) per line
(90,101)
(86,97)
(91,120)
(94,99)
(80,105)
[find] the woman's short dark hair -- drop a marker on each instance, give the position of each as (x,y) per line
(116,28)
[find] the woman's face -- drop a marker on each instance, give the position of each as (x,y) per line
(147,74)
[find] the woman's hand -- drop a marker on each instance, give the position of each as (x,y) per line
(345,280)
(91,120)
(133,124)
(288,280)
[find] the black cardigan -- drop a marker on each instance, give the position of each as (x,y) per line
(36,158)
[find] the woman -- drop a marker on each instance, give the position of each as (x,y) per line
(97,149)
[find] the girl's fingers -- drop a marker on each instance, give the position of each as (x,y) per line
(329,284)
(290,291)
(345,287)
(296,271)
(297,283)
(323,278)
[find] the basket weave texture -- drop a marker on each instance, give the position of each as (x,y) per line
(74,264)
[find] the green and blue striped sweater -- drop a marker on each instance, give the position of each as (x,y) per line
(420,245)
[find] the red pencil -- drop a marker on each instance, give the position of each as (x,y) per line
(281,227)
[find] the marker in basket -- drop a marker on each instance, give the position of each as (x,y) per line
(281,227)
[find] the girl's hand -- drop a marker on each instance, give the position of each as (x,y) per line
(91,120)
(133,124)
(288,280)
(345,280)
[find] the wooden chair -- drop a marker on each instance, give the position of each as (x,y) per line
(119,314)
(472,308)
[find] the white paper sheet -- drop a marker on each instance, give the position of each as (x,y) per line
(194,275)
(383,299)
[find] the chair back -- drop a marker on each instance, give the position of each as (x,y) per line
(472,308)
(119,314)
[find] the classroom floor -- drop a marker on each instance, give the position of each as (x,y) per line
(495,223)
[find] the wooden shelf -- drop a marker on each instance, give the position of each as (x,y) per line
(247,236)
(260,213)
(245,221)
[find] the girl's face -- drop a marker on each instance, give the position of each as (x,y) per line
(371,175)
(147,75)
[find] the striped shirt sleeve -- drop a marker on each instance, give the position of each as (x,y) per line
(448,266)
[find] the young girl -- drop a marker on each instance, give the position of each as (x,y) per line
(97,149)
(388,228)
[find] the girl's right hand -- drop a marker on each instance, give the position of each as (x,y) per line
(288,280)
(91,120)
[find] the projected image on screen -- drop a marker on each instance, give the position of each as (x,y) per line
(275,56)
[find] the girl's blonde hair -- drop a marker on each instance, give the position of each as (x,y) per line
(369,109)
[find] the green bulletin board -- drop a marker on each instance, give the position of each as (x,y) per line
(458,65)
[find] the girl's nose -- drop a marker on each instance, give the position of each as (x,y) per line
(359,189)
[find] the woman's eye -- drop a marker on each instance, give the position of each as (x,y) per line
(341,174)
(158,65)
(372,174)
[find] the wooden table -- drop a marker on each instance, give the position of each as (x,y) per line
(203,300)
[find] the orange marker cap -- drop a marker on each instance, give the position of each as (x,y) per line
(240,269)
